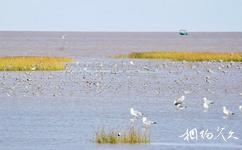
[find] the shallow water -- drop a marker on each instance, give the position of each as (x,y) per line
(103,44)
(64,109)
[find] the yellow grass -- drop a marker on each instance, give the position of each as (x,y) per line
(33,63)
(132,136)
(187,56)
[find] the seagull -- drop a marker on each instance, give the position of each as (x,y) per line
(181,106)
(179,100)
(240,108)
(187,92)
(210,71)
(227,112)
(206,103)
(179,103)
(132,120)
(33,68)
(205,100)
(63,36)
(205,106)
(207,79)
(135,113)
(147,123)
(146,68)
(131,62)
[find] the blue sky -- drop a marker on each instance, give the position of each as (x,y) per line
(121,15)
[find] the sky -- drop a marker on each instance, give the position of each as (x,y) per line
(121,15)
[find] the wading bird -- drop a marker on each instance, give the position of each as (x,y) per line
(147,123)
(227,112)
(240,108)
(136,114)
(179,103)
(206,103)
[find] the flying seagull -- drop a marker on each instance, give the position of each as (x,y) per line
(147,123)
(227,112)
(136,114)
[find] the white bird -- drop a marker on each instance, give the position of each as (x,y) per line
(180,100)
(33,68)
(63,36)
(147,123)
(227,112)
(179,103)
(207,79)
(210,71)
(187,92)
(205,106)
(119,134)
(131,62)
(132,120)
(240,107)
(206,103)
(146,68)
(181,106)
(135,113)
(205,100)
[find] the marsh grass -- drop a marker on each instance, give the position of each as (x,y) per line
(132,136)
(187,56)
(33,63)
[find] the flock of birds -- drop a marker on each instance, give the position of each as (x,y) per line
(137,115)
(93,79)
(180,105)
(100,78)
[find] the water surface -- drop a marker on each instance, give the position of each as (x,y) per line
(64,109)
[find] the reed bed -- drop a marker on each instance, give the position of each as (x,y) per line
(187,56)
(33,63)
(132,136)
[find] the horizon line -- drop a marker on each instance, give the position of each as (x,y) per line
(120,31)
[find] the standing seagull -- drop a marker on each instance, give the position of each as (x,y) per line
(179,100)
(240,108)
(227,112)
(131,62)
(147,123)
(179,103)
(63,36)
(206,103)
(136,114)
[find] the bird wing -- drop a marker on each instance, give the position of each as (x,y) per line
(210,102)
(181,99)
(137,113)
